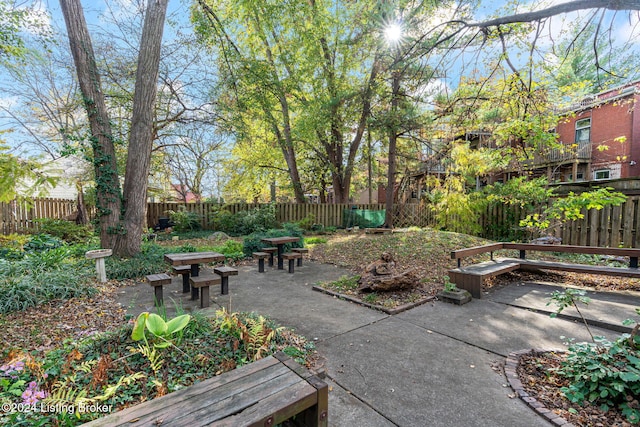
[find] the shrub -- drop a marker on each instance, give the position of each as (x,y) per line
(184,220)
(43,241)
(307,222)
(68,231)
(258,219)
(606,374)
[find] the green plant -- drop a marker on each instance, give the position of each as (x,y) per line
(184,220)
(68,231)
(43,241)
(570,298)
(307,222)
(370,298)
(605,373)
(255,332)
(448,285)
(258,219)
(314,240)
(161,332)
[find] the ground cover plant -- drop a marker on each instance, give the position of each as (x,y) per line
(132,364)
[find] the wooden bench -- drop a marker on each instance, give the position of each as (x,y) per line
(291,257)
(301,251)
(185,271)
(157,280)
(260,256)
(224,272)
(263,393)
(471,277)
(272,253)
(202,282)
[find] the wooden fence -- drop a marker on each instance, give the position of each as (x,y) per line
(609,227)
(18,217)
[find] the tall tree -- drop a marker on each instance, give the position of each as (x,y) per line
(136,178)
(304,74)
(123,234)
(108,192)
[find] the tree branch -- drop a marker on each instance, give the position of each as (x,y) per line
(558,9)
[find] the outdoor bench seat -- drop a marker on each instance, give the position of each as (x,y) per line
(291,257)
(224,272)
(263,393)
(471,277)
(202,282)
(185,271)
(260,256)
(301,251)
(272,253)
(157,281)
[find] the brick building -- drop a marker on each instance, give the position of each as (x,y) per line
(600,137)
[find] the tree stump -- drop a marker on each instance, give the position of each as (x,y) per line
(383,276)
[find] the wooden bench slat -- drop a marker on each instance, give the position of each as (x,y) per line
(490,268)
(226,271)
(579,268)
(148,409)
(285,390)
(301,393)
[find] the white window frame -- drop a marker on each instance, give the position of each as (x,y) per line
(596,172)
(583,125)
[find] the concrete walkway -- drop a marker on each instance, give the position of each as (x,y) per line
(435,365)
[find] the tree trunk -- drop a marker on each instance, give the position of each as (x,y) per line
(141,136)
(393,136)
(108,201)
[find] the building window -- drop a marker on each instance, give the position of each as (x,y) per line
(583,130)
(601,174)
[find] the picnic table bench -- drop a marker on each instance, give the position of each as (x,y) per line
(472,277)
(263,393)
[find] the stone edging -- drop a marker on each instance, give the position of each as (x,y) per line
(510,371)
(391,311)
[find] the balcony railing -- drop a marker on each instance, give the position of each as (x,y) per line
(579,151)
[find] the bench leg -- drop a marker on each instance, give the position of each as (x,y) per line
(291,264)
(158,295)
(224,285)
(204,297)
(194,293)
(271,259)
(185,284)
(318,414)
(261,265)
(299,261)
(468,282)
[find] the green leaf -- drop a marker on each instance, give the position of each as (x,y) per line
(138,329)
(177,323)
(156,325)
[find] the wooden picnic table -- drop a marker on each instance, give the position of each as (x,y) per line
(279,242)
(194,259)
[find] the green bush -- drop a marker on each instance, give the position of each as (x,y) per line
(42,242)
(605,373)
(307,222)
(68,231)
(184,220)
(258,219)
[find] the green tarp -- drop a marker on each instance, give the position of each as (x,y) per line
(363,218)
